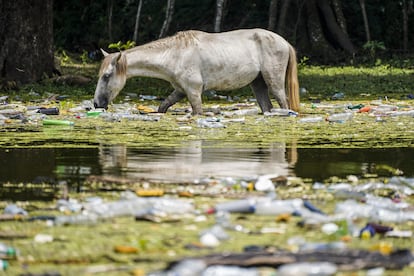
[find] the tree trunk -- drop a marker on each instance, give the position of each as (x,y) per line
(317,42)
(407,9)
(219,15)
(339,36)
(365,18)
(282,18)
(340,18)
(168,17)
(110,12)
(26,53)
(272,15)
(135,36)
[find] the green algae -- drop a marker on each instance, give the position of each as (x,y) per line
(362,131)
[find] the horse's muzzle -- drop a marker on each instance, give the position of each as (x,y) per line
(100,104)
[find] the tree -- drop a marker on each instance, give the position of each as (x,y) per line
(168,17)
(135,36)
(271,25)
(407,9)
(26,53)
(219,15)
(282,18)
(365,18)
(110,16)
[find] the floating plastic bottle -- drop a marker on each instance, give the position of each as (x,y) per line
(277,207)
(311,119)
(13,209)
(391,216)
(49,111)
(281,112)
(385,203)
(235,206)
(307,269)
(4,265)
(7,252)
(352,209)
(230,271)
(94,113)
(48,122)
(241,112)
(210,123)
(340,117)
(76,219)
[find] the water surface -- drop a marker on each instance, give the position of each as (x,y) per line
(47,168)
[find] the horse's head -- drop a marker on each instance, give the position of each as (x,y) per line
(112,78)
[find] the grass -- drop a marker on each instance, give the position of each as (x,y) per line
(356,82)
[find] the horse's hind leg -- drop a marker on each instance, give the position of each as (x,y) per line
(275,81)
(259,88)
(174,97)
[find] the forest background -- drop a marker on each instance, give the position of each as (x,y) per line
(328,32)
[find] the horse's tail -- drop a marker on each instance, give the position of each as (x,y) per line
(292,80)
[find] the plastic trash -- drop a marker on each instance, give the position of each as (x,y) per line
(48,122)
(352,209)
(281,112)
(209,240)
(76,219)
(400,234)
(340,117)
(316,119)
(264,183)
(7,252)
(330,228)
(235,206)
(49,111)
(4,265)
(385,203)
(338,96)
(402,113)
(13,209)
(241,112)
(391,216)
(71,205)
(380,229)
(322,246)
(215,270)
(43,238)
(307,269)
(217,231)
(210,123)
(94,113)
(277,207)
(188,267)
(367,232)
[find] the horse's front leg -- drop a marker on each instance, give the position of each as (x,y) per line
(194,97)
(173,98)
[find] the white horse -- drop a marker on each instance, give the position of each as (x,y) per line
(195,61)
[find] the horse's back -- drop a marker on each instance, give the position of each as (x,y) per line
(233,59)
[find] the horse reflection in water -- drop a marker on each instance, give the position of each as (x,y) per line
(197,160)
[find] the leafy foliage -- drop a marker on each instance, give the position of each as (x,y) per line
(122,46)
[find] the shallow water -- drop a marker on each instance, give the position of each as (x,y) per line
(45,168)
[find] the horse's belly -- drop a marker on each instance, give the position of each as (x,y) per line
(229,78)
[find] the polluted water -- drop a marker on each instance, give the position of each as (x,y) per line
(246,225)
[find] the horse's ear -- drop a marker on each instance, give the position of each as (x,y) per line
(115,58)
(104,53)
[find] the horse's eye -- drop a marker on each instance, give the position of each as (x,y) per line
(106,76)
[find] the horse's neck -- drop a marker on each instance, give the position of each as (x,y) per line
(148,63)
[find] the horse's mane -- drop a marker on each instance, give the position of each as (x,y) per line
(121,65)
(181,39)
